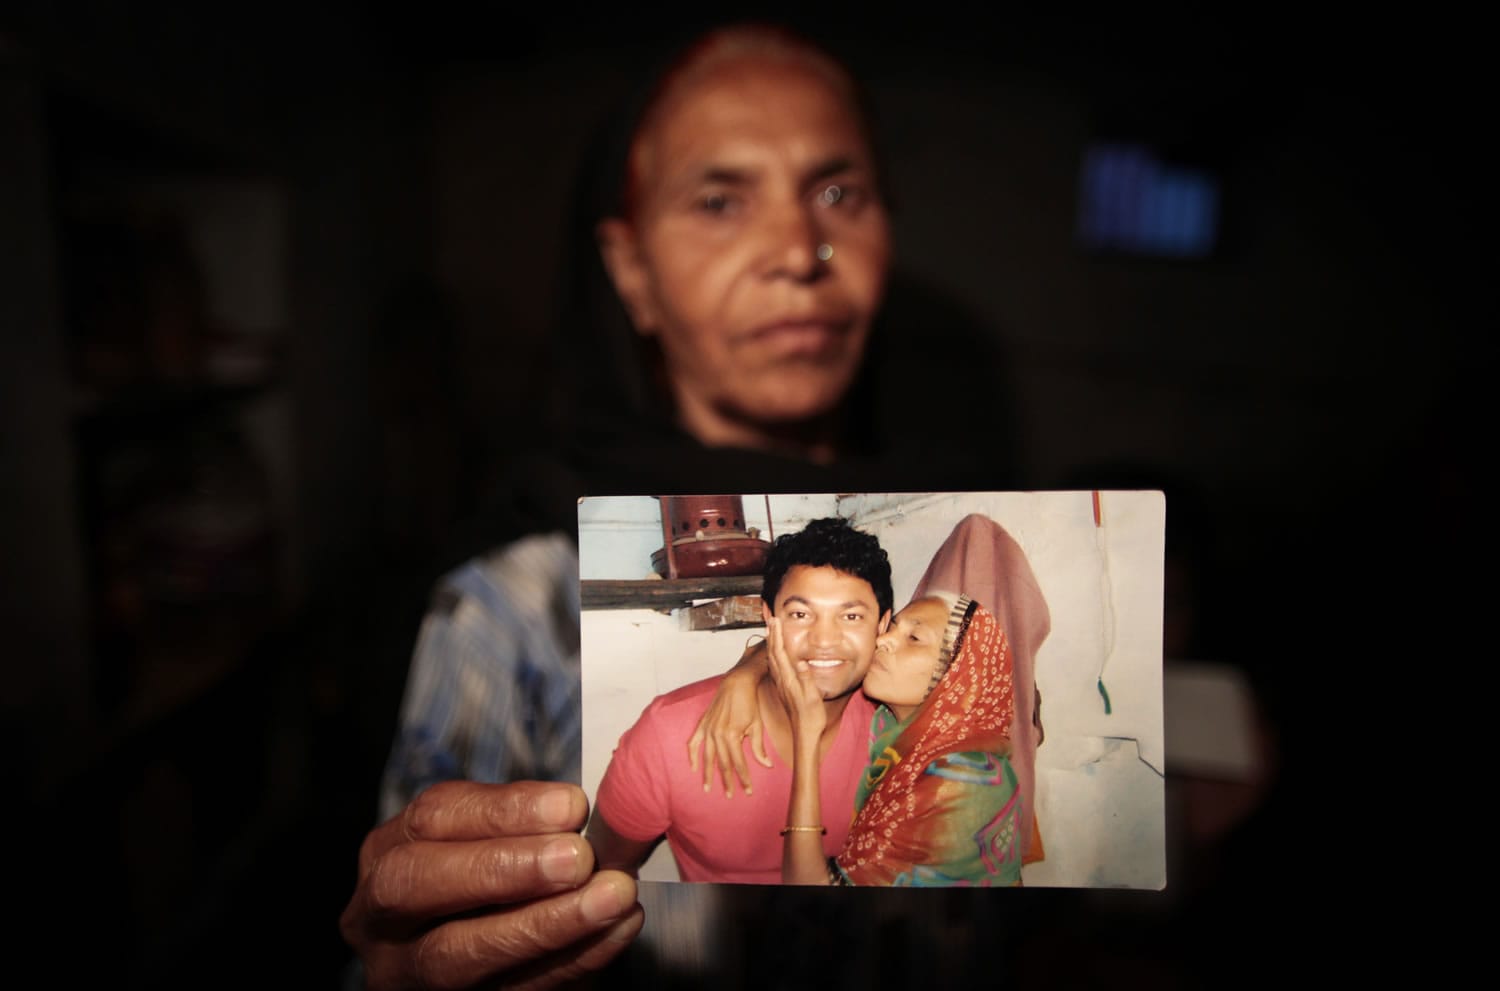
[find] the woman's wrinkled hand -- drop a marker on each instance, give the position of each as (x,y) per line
(486,885)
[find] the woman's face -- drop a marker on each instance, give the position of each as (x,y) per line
(907,654)
(759,251)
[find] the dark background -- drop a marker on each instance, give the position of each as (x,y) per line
(214,571)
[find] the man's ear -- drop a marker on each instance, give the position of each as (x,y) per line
(621,251)
(885,621)
(765,610)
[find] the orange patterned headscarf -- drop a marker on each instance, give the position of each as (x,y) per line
(981,559)
(970,709)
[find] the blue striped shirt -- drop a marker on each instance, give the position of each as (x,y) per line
(493,692)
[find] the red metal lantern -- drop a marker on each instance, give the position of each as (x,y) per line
(705,536)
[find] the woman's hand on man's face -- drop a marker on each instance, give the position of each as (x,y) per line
(796,686)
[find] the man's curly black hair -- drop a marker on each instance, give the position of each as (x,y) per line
(832,542)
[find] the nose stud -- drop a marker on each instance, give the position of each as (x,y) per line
(825,252)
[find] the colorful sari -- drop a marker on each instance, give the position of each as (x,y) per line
(940,803)
(979,558)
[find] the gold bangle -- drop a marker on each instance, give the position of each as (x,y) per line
(805,829)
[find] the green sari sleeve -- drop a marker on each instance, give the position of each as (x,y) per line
(964,832)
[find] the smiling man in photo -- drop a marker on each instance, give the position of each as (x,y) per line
(830,586)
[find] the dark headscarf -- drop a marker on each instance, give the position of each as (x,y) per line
(609,427)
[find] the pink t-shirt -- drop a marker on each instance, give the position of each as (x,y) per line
(650,789)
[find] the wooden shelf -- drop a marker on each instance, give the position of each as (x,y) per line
(664,594)
(733,612)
